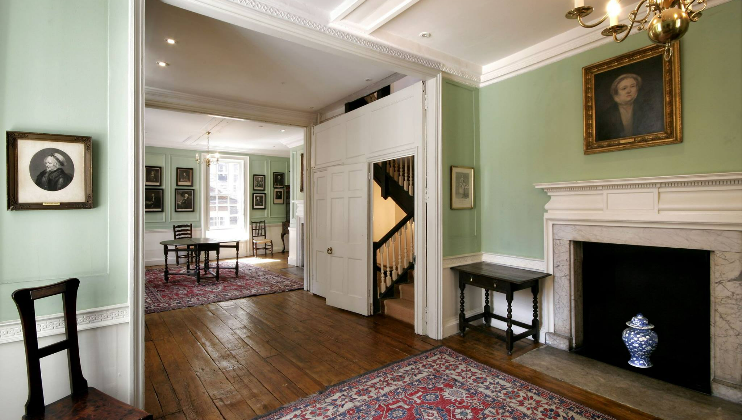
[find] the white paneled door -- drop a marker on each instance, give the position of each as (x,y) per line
(319,241)
(347,254)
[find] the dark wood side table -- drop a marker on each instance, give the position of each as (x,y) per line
(204,245)
(503,279)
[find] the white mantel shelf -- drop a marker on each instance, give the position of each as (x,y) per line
(705,199)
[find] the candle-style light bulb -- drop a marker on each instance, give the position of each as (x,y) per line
(614,9)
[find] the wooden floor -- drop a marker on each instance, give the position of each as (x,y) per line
(242,358)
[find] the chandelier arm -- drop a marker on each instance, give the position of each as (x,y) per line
(632,15)
(694,15)
(585,25)
(615,38)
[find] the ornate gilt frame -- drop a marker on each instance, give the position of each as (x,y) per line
(12,168)
(673,132)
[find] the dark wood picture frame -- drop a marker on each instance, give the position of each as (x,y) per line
(256,206)
(256,184)
(14,141)
(654,110)
(151,201)
(178,172)
(279,179)
(279,196)
(152,170)
(180,204)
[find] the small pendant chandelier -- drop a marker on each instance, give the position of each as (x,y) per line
(666,21)
(210,157)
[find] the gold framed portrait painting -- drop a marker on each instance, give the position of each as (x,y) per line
(632,101)
(49,171)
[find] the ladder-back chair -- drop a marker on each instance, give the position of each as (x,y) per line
(85,402)
(260,239)
(183,231)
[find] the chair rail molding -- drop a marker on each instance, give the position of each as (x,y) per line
(49,325)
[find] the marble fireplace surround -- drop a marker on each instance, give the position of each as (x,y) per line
(690,211)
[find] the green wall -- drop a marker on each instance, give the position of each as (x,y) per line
(531,130)
(63,70)
(170,159)
(295,163)
(461,228)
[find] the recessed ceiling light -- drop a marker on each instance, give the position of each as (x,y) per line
(170,41)
(425,34)
(283,131)
(162,64)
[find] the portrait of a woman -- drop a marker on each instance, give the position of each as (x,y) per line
(631,113)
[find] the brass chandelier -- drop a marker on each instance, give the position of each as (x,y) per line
(666,21)
(210,157)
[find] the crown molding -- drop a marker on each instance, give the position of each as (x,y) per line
(676,181)
(48,325)
(179,101)
(202,148)
(291,143)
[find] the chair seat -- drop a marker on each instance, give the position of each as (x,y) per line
(261,241)
(94,405)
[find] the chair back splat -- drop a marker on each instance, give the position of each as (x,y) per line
(258,229)
(24,300)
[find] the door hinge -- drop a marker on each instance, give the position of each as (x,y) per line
(369,175)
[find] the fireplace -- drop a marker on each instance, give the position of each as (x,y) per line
(670,287)
(688,212)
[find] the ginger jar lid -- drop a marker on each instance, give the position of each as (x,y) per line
(640,322)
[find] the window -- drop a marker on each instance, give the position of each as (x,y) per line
(227,195)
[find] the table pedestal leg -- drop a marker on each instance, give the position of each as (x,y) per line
(487,309)
(509,332)
(166,271)
(462,316)
(534,323)
(198,264)
(237,260)
(217,263)
(206,262)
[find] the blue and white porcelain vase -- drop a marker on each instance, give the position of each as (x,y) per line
(640,340)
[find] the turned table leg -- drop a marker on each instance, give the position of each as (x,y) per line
(534,323)
(237,260)
(166,271)
(487,309)
(462,316)
(509,332)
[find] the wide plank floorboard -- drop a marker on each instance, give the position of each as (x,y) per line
(247,357)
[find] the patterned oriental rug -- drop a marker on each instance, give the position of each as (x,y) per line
(182,291)
(438,384)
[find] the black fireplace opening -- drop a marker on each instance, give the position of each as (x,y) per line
(671,287)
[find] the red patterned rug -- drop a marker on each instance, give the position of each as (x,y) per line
(438,384)
(182,291)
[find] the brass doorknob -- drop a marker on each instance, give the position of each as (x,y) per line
(329,250)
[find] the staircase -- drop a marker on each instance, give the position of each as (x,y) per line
(394,253)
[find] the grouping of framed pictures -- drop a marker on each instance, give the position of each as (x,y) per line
(279,192)
(49,171)
(184,198)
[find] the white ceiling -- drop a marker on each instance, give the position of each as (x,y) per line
(219,60)
(183,130)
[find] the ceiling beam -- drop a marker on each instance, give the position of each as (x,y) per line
(345,8)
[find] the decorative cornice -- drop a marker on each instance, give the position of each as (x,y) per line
(678,181)
(179,101)
(355,39)
(291,143)
(54,324)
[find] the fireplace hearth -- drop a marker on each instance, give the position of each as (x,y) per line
(668,286)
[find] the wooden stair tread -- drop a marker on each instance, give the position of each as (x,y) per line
(401,309)
(407,291)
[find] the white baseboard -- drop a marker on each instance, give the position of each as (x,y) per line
(451,325)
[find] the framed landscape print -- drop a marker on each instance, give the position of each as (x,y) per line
(184,177)
(462,187)
(279,179)
(183,200)
(632,101)
(278,196)
(49,171)
(258,182)
(153,175)
(258,201)
(153,201)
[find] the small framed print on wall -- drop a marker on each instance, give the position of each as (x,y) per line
(183,200)
(462,188)
(258,201)
(153,176)
(153,201)
(49,171)
(279,180)
(184,177)
(278,196)
(258,182)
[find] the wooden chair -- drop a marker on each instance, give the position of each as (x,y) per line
(259,237)
(183,231)
(85,402)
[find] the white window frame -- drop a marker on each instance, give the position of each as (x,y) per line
(206,195)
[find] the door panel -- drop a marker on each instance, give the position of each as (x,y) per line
(347,216)
(320,238)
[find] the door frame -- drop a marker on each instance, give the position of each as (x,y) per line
(428,319)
